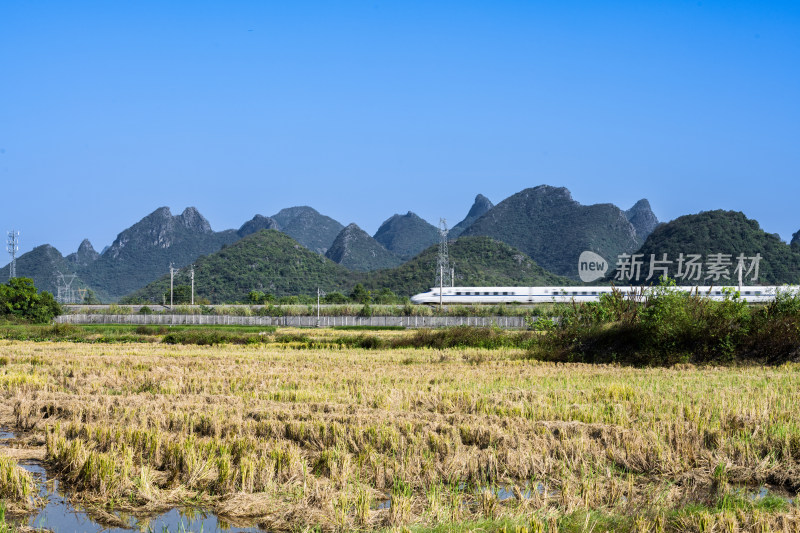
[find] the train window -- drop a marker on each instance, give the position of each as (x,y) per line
(584,293)
(458,293)
(758,293)
(496,293)
(747,292)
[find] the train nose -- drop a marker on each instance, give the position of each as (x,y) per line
(416,299)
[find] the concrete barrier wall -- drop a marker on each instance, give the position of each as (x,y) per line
(513,322)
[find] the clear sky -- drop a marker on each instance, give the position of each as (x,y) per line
(359,109)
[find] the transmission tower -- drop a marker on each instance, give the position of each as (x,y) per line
(13,248)
(66,294)
(444,276)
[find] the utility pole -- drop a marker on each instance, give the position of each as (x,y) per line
(171,280)
(192,284)
(740,268)
(13,248)
(319,294)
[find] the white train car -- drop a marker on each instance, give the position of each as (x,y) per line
(532,295)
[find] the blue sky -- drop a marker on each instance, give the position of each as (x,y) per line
(109,110)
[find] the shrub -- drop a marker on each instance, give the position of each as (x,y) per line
(662,326)
(210,337)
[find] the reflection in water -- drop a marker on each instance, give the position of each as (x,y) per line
(60,516)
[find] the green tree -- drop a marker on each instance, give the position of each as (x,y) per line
(90,298)
(255,297)
(360,294)
(182,294)
(335,298)
(386,296)
(19,298)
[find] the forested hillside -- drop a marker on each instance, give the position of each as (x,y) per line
(729,233)
(271,262)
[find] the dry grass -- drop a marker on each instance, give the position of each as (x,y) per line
(18,492)
(477,439)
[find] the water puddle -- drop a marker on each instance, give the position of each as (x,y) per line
(60,516)
(756,494)
(501,492)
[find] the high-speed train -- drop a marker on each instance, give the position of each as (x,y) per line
(529,295)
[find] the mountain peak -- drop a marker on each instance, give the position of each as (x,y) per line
(160,229)
(307,226)
(86,247)
(561,193)
(85,255)
(257,223)
(480,206)
(355,249)
(643,219)
(161,212)
(796,239)
(406,235)
(146,249)
(288,214)
(193,220)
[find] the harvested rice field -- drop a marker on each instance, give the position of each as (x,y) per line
(286,437)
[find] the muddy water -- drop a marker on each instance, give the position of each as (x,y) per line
(60,516)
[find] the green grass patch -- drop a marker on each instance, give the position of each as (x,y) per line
(127,333)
